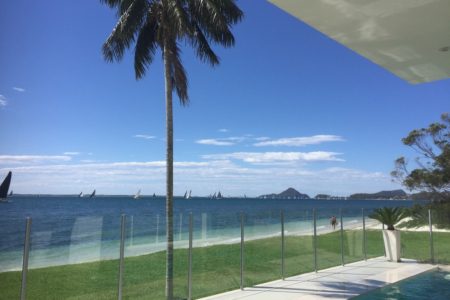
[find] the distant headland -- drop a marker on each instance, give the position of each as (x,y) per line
(292,193)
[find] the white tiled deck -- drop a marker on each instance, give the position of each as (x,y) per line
(334,283)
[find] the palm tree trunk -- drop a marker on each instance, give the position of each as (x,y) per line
(169,178)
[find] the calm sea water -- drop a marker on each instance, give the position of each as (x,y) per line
(72,230)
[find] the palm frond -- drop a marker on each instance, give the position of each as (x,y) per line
(124,32)
(179,18)
(146,45)
(178,74)
(215,18)
(151,24)
(111,3)
(204,51)
(389,216)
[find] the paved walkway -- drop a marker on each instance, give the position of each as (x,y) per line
(334,283)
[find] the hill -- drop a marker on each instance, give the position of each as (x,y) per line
(383,195)
(290,193)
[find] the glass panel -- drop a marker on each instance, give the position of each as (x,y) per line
(415,245)
(216,253)
(442,247)
(12,234)
(74,257)
(181,244)
(441,222)
(328,238)
(374,237)
(299,257)
(145,256)
(262,247)
(353,235)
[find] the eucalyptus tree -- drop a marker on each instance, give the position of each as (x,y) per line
(164,25)
(432,174)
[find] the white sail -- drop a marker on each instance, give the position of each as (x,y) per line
(138,195)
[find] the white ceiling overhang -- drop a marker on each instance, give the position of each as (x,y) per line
(410,38)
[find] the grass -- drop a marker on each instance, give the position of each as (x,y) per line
(215,269)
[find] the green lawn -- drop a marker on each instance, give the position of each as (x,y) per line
(215,269)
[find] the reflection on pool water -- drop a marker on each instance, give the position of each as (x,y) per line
(433,285)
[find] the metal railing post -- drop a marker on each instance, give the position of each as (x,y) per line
(190,257)
(364,234)
(132,230)
(342,236)
(384,249)
(157,228)
(315,240)
(282,244)
(430,220)
(242,251)
(26,254)
(181,226)
(121,255)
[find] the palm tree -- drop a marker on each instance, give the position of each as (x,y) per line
(389,216)
(153,25)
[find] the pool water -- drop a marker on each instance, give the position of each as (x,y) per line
(433,285)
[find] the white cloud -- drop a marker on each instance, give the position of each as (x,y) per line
(215,142)
(18,89)
(24,159)
(262,138)
(273,157)
(3,100)
(223,130)
(144,136)
(228,141)
(301,141)
(72,153)
(87,161)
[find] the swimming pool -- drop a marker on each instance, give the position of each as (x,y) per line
(433,284)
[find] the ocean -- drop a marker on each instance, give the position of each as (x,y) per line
(68,229)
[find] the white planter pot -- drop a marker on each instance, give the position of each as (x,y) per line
(391,240)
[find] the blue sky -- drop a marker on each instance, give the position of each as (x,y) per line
(287,107)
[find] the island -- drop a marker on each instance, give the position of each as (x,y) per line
(290,193)
(383,195)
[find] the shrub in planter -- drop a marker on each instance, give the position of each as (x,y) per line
(390,216)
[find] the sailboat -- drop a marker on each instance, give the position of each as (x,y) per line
(185,195)
(10,193)
(5,187)
(92,195)
(80,195)
(219,195)
(154,195)
(189,196)
(138,195)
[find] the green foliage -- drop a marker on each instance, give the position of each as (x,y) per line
(433,172)
(389,216)
(440,214)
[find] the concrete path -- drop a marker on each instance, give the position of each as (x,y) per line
(334,283)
